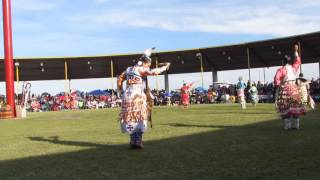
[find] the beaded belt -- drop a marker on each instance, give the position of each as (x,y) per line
(290,82)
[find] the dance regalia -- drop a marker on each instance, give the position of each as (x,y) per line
(185,98)
(289,101)
(134,111)
(241,96)
(304,87)
(254,95)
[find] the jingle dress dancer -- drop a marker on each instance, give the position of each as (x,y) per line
(254,95)
(185,98)
(134,111)
(241,86)
(304,90)
(288,101)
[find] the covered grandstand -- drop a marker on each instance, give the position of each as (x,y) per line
(266,53)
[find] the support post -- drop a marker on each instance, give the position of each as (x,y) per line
(264,75)
(17,77)
(214,75)
(201,67)
(157,83)
(166,82)
(248,55)
(66,77)
(8,53)
(112,77)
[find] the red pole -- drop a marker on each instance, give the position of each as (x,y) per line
(8,53)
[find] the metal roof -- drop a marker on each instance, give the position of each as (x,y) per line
(265,53)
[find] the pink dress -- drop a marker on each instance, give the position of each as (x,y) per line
(289,101)
(185,99)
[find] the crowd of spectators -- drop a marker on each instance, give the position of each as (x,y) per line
(69,101)
(218,93)
(227,93)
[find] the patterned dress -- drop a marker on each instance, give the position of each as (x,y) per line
(240,91)
(289,100)
(254,95)
(303,86)
(185,98)
(134,111)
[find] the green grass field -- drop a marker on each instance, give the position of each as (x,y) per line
(203,142)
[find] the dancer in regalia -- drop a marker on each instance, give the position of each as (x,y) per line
(241,86)
(288,100)
(185,97)
(254,95)
(304,91)
(303,87)
(134,111)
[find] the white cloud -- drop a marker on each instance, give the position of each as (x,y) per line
(23,25)
(35,5)
(60,44)
(308,2)
(210,17)
(102,1)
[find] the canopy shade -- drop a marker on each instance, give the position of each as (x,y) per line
(265,53)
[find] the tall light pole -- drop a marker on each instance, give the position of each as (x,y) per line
(199,55)
(8,53)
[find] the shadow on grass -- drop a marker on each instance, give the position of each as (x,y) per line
(243,112)
(256,151)
(56,140)
(197,125)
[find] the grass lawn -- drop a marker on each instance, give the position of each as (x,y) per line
(202,142)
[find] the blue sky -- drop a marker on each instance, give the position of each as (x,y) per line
(96,27)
